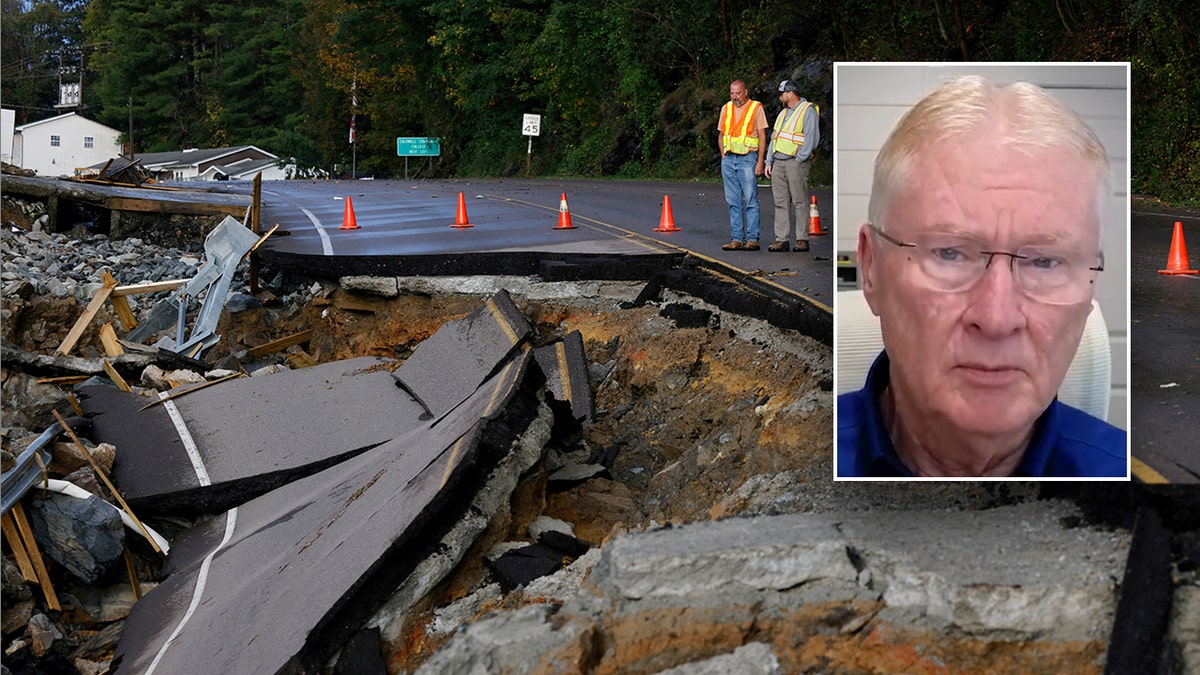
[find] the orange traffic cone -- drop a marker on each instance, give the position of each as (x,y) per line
(667,222)
(348,220)
(460,220)
(1177,259)
(814,218)
(564,214)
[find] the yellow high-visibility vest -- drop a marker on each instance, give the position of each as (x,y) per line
(789,131)
(746,139)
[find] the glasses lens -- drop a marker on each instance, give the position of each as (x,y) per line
(949,263)
(1055,276)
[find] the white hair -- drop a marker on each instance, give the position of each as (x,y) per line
(1027,115)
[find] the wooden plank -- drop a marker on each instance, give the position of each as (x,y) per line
(89,313)
(108,338)
(121,305)
(116,377)
(149,287)
(301,359)
(66,379)
(13,537)
(124,313)
(39,565)
(133,580)
(104,477)
(280,344)
(182,208)
(255,227)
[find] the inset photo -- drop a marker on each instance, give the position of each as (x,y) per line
(982,303)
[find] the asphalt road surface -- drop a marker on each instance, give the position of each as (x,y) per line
(412,218)
(1164,359)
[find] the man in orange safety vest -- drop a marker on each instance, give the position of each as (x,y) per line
(743,130)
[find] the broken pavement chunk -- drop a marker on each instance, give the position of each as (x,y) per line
(449,365)
(565,366)
(281,581)
(216,447)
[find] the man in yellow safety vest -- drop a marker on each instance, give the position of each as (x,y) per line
(743,129)
(789,159)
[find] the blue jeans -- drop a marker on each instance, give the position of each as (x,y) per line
(741,194)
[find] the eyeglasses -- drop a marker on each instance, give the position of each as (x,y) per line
(952,263)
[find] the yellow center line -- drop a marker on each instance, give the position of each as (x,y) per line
(502,321)
(1143,472)
(564,373)
(503,384)
(643,239)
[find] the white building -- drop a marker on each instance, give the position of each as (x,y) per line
(57,146)
(234,163)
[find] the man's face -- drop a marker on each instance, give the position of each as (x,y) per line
(987,360)
(737,94)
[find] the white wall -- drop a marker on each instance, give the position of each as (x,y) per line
(32,148)
(8,120)
(870,98)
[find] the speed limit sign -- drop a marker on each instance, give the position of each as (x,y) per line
(531,125)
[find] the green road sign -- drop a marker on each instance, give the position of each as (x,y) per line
(418,147)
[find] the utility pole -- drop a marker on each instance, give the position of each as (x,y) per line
(131,129)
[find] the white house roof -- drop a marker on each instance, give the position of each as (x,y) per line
(59,118)
(186,158)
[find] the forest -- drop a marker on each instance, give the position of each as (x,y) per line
(625,88)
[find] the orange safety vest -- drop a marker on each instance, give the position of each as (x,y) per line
(789,132)
(746,139)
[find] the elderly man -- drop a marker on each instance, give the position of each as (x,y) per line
(980,260)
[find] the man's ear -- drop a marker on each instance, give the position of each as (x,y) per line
(866,268)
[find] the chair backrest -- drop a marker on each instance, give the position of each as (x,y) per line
(1087,385)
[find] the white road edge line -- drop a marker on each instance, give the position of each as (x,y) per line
(198,594)
(326,245)
(1177,216)
(189,444)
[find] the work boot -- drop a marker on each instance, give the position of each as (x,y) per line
(734,245)
(751,245)
(801,245)
(778,246)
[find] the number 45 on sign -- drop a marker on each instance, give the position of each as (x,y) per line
(531,125)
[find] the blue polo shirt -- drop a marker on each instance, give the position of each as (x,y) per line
(1067,442)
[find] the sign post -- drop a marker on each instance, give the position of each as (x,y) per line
(417,147)
(531,125)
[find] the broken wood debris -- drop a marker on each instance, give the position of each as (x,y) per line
(107,483)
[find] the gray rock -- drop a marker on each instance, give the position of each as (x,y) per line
(58,288)
(85,536)
(383,286)
(269,370)
(109,603)
(509,642)
(755,658)
(447,619)
(240,302)
(545,524)
(154,378)
(41,633)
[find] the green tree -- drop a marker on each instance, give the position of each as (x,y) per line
(35,39)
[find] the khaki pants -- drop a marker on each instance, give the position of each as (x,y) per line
(789,186)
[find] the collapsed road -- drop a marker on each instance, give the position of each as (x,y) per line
(341,532)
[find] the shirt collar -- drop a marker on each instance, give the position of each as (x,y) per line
(879,455)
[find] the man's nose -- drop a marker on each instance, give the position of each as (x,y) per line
(996,301)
